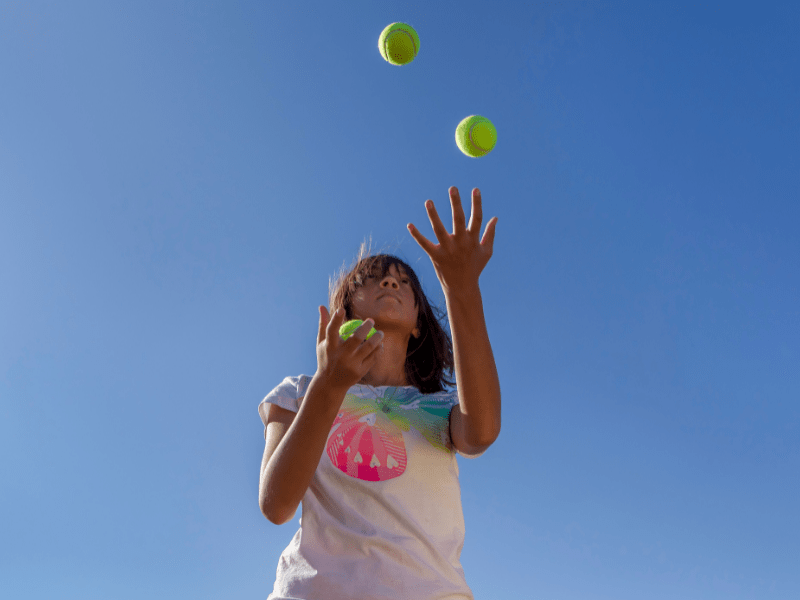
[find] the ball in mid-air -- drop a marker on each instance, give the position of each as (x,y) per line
(347,329)
(399,43)
(476,136)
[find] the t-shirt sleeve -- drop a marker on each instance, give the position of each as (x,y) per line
(452,398)
(286,395)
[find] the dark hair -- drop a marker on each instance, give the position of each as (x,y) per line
(429,358)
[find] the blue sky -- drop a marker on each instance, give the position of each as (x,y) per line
(179,181)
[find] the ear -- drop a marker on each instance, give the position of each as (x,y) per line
(415,332)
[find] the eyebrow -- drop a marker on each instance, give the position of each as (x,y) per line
(387,271)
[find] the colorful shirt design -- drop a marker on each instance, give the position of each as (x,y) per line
(382,516)
(366,439)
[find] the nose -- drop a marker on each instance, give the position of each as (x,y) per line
(390,282)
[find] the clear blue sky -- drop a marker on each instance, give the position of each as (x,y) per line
(179,180)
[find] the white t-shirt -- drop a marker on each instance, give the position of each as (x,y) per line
(382,517)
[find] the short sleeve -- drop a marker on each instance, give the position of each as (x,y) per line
(452,398)
(286,395)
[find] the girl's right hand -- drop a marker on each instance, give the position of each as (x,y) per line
(343,363)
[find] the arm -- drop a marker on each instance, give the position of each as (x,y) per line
(475,422)
(459,259)
(295,443)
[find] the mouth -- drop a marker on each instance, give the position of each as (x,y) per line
(390,295)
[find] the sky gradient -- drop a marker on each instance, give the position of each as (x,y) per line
(180,180)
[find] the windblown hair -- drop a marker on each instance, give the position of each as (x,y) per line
(429,358)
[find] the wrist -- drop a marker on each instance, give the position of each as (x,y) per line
(463,293)
(328,384)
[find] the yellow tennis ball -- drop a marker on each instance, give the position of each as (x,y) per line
(476,136)
(398,44)
(347,329)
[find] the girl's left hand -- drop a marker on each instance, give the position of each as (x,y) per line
(459,257)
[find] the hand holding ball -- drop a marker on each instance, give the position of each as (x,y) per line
(347,329)
(398,44)
(476,136)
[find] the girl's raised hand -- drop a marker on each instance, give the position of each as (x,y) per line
(343,363)
(459,257)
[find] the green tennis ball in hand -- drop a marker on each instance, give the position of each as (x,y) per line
(398,44)
(347,329)
(476,136)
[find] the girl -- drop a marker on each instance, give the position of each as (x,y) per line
(368,443)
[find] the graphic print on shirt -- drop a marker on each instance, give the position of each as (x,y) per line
(366,439)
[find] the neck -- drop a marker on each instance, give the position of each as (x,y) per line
(390,369)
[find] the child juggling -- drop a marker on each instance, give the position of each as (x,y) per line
(368,443)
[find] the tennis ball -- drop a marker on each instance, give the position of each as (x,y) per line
(476,136)
(398,44)
(347,329)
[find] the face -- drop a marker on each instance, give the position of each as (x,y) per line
(389,300)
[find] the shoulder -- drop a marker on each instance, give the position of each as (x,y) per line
(294,385)
(449,397)
(288,394)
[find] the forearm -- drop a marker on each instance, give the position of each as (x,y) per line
(287,475)
(475,369)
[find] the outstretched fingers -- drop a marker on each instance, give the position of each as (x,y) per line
(459,220)
(459,226)
(436,222)
(488,236)
(427,245)
(476,218)
(438,229)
